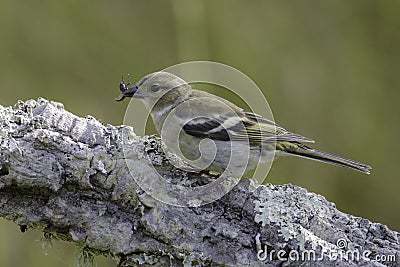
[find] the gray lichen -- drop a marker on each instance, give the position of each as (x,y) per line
(281,206)
(68,176)
(291,210)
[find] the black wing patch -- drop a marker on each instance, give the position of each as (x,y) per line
(203,127)
(247,130)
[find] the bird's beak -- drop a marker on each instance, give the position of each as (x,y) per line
(128,92)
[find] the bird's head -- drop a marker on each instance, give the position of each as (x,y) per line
(158,88)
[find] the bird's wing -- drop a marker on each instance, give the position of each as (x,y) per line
(206,128)
(232,123)
(245,128)
(269,130)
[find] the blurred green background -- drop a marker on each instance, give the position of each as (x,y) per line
(329,69)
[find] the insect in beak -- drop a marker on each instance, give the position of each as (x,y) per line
(125,90)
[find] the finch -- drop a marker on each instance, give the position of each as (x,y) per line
(214,134)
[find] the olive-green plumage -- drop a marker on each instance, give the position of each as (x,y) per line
(184,117)
(300,150)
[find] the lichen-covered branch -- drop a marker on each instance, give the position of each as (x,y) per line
(68,176)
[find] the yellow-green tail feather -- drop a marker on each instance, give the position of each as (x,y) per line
(298,149)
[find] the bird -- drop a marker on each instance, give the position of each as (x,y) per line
(215,135)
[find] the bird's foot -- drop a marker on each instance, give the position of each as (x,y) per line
(212,174)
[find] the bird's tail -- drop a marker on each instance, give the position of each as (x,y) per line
(298,149)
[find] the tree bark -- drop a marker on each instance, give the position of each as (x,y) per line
(68,176)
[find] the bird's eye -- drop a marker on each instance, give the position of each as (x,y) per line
(155,87)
